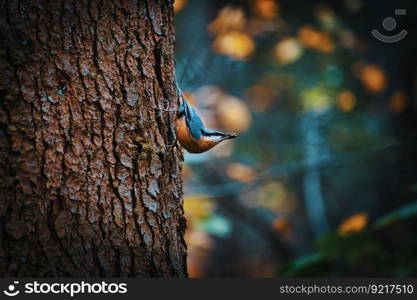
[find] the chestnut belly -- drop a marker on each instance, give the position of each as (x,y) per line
(188,142)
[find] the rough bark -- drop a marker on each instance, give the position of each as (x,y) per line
(90,177)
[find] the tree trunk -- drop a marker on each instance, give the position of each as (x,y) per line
(90,177)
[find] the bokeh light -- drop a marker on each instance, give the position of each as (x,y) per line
(322,174)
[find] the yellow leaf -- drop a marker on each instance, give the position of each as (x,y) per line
(288,51)
(197,207)
(235,44)
(276,198)
(315,98)
(354,223)
(326,17)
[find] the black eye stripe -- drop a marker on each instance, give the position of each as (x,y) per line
(213,134)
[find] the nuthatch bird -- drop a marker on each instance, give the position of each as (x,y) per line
(191,131)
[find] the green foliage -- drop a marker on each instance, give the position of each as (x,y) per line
(403,212)
(381,250)
(313,265)
(351,249)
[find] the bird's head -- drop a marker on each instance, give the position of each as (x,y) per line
(217,136)
(211,138)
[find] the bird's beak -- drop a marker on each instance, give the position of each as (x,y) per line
(231,136)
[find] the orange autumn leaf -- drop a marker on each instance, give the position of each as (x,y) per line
(267,9)
(346,101)
(194,268)
(179,4)
(199,239)
(229,19)
(282,226)
(240,172)
(353,223)
(261,97)
(398,102)
(315,39)
(186,172)
(199,246)
(373,78)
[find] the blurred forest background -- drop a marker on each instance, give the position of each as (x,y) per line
(322,180)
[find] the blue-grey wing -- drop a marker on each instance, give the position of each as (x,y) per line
(194,122)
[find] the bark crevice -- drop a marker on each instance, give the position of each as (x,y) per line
(92,184)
